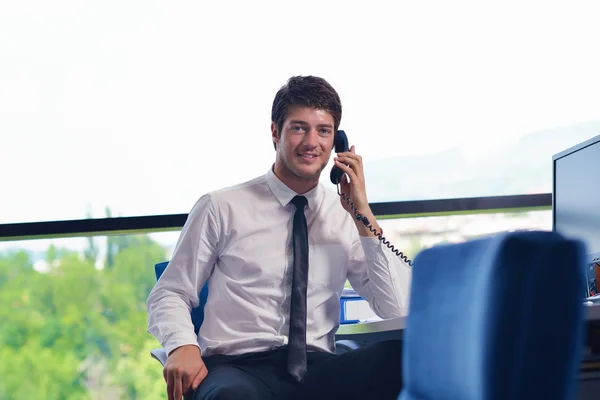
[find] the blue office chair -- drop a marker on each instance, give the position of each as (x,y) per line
(159,354)
(496,318)
(198,312)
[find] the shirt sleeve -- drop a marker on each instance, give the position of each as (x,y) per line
(379,276)
(171,300)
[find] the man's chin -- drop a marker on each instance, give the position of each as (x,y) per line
(308,174)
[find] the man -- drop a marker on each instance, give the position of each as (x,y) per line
(276,252)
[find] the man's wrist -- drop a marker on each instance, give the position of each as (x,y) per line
(182,346)
(363,229)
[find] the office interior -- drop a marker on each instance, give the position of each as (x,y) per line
(473,120)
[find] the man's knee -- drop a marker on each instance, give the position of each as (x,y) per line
(387,356)
(229,392)
(387,349)
(235,389)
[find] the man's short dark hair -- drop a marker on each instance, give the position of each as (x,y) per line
(307,91)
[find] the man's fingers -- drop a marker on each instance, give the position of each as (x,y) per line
(186,382)
(177,387)
(351,162)
(347,170)
(344,181)
(170,384)
(179,384)
(199,378)
(351,155)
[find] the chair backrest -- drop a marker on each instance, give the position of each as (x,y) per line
(197,312)
(499,318)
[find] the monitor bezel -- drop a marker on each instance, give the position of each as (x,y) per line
(563,154)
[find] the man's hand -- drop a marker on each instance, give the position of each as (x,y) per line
(351,164)
(355,188)
(183,371)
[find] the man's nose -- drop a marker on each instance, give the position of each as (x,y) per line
(311,138)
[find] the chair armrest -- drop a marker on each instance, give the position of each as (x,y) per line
(160,355)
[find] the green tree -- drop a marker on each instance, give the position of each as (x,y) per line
(91,251)
(78,332)
(31,363)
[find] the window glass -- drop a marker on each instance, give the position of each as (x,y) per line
(144,106)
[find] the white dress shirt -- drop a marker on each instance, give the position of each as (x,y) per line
(239,239)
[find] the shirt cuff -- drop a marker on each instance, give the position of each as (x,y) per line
(180,339)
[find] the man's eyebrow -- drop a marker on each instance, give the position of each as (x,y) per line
(300,122)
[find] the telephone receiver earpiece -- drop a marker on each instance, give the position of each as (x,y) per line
(340,145)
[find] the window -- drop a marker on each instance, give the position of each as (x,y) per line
(143,107)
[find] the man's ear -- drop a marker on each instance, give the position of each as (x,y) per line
(274,134)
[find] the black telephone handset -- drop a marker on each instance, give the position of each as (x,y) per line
(340,144)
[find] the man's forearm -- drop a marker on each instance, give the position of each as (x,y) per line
(363,230)
(388,279)
(169,321)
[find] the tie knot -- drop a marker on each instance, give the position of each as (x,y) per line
(300,202)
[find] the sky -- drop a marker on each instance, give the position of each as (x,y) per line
(144,106)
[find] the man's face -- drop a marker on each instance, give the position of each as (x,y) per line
(305,143)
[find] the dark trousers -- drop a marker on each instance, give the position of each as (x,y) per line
(371,372)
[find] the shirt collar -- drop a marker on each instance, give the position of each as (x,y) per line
(284,194)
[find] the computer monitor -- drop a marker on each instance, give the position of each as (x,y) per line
(576,201)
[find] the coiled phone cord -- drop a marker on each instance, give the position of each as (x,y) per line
(367,223)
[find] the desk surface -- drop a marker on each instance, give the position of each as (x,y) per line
(592,313)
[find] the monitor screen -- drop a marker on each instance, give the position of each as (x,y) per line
(576,197)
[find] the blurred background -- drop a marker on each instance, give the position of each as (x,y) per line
(137,108)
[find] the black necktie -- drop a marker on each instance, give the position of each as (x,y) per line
(297,336)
